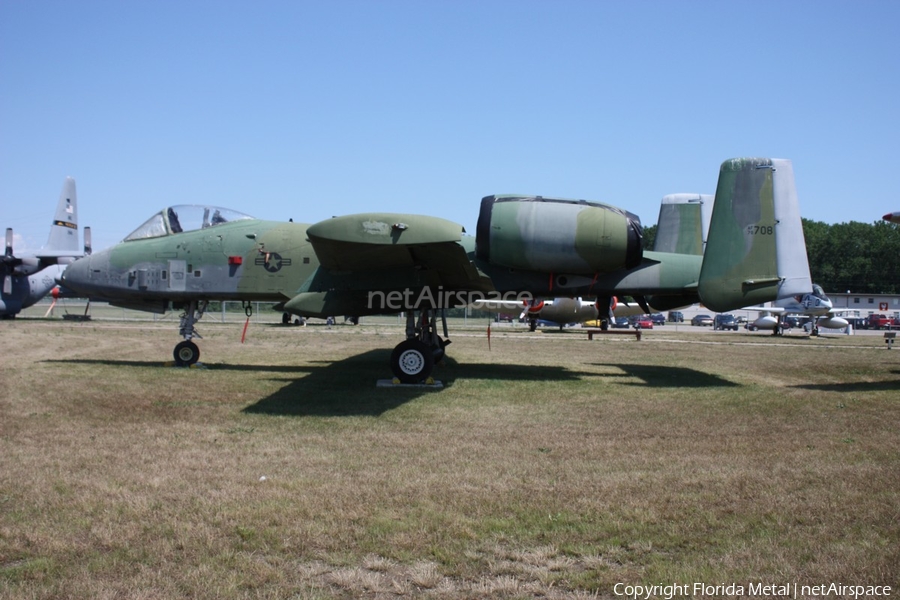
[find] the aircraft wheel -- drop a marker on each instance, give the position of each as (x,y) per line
(412,361)
(285,319)
(186,353)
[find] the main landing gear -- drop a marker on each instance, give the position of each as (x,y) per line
(413,361)
(187,353)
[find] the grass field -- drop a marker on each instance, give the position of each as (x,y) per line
(549,466)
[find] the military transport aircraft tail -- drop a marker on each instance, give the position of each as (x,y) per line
(755,250)
(63,239)
(27,279)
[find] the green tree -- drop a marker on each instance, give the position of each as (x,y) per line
(649,236)
(854,256)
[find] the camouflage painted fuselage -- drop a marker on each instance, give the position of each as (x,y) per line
(243,260)
(524,245)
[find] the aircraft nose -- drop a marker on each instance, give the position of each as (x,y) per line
(77,275)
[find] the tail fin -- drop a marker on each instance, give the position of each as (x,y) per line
(755,251)
(63,240)
(683,223)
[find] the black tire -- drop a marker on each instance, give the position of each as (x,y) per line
(186,353)
(285,319)
(412,361)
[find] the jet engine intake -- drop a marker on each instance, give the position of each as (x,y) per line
(532,233)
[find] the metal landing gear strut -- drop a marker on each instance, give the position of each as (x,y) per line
(187,353)
(413,361)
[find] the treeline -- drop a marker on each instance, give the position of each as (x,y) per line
(859,257)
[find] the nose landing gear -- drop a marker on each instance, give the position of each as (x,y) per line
(187,353)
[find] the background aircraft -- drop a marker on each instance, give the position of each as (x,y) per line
(383,263)
(815,305)
(27,279)
(561,311)
(892,217)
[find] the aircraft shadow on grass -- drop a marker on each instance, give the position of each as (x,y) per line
(347,387)
(156,364)
(660,376)
(854,386)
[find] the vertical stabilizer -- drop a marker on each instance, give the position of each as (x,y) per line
(63,238)
(683,223)
(755,250)
(793,262)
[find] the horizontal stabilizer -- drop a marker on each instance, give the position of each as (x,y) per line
(755,251)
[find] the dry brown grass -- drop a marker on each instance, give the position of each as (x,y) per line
(549,466)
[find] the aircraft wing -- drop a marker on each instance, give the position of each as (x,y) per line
(775,310)
(372,253)
(388,241)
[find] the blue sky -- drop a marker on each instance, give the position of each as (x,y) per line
(312,109)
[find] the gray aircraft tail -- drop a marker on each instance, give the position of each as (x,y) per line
(683,223)
(63,240)
(755,251)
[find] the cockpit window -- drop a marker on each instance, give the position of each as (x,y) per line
(155,226)
(177,219)
(818,291)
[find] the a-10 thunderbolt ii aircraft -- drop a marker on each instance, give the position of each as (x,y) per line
(384,263)
(27,279)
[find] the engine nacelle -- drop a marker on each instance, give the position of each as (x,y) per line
(766,322)
(833,323)
(27,266)
(576,237)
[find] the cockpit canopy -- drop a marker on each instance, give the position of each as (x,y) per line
(184,217)
(818,291)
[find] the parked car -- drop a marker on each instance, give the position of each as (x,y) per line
(704,320)
(724,322)
(658,318)
(790,322)
(676,316)
(642,322)
(878,321)
(621,323)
